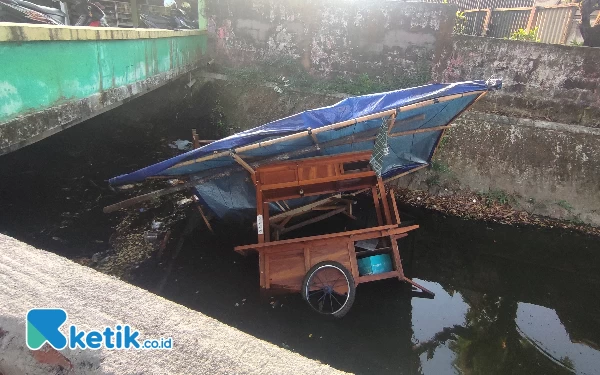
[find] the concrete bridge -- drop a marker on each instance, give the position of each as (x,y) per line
(54,77)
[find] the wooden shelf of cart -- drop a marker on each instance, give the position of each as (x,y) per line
(285,263)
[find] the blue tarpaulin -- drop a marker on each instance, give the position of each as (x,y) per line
(404,152)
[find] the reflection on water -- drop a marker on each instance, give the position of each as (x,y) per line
(542,328)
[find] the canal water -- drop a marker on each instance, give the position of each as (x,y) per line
(509,300)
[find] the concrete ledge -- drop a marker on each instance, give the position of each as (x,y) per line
(33,127)
(31,278)
(24,32)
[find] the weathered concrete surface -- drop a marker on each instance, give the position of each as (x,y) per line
(82,73)
(545,81)
(388,40)
(31,278)
(548,168)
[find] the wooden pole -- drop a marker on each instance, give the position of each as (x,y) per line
(407,172)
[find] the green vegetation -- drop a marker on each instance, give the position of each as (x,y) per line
(218,119)
(497,196)
(576,43)
(460,23)
(440,166)
(526,35)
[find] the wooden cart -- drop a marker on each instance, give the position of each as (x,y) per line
(323,268)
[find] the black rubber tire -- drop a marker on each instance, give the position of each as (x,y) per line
(351,285)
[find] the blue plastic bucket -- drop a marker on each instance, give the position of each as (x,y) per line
(375,264)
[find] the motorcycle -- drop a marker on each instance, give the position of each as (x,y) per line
(22,11)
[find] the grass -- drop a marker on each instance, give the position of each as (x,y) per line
(496,196)
(439,166)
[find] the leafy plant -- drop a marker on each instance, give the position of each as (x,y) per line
(576,43)
(460,23)
(526,35)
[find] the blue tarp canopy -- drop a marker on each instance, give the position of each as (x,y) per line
(411,140)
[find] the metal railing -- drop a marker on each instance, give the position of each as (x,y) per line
(553,23)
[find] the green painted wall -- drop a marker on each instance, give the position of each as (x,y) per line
(38,75)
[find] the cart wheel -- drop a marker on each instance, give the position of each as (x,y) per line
(329,289)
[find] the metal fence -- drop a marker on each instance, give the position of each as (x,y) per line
(553,23)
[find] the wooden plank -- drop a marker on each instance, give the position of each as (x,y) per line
(401,230)
(195,140)
(245,165)
(418,286)
(568,24)
(303,183)
(379,276)
(395,207)
(377,206)
(353,261)
(397,259)
(486,22)
(305,208)
(267,273)
(259,212)
(261,269)
(314,238)
(204,217)
(386,206)
(313,220)
(318,189)
(532,17)
(266,222)
(307,263)
(405,173)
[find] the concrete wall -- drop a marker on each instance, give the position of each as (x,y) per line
(54,77)
(537,139)
(545,81)
(384,39)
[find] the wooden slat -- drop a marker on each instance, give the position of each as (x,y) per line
(303,209)
(353,261)
(397,259)
(386,206)
(266,222)
(405,173)
(377,206)
(267,273)
(313,238)
(245,165)
(307,263)
(379,276)
(315,181)
(313,220)
(395,207)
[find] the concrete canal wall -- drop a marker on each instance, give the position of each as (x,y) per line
(536,142)
(53,77)
(32,278)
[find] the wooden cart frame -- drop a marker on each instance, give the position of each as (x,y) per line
(285,263)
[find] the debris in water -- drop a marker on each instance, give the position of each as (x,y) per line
(184,202)
(181,144)
(156,225)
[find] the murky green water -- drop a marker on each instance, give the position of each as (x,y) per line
(508,300)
